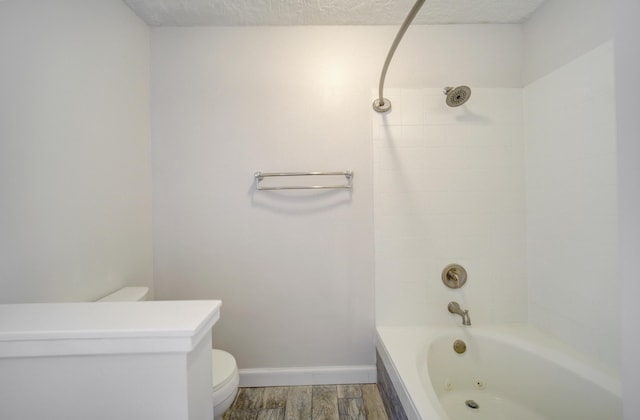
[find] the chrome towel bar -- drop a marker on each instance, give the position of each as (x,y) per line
(260,176)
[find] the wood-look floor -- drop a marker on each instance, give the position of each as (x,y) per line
(318,402)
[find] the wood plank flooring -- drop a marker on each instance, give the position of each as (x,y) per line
(318,402)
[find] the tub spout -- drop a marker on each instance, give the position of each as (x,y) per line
(454,308)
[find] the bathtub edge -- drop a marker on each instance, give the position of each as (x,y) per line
(409,410)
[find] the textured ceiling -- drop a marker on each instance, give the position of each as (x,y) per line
(327,12)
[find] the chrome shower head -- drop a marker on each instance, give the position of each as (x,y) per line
(458,95)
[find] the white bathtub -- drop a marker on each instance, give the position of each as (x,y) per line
(512,372)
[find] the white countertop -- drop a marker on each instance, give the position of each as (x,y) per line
(56,329)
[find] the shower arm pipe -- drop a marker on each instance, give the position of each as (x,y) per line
(381,104)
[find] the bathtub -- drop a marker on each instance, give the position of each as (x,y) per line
(507,372)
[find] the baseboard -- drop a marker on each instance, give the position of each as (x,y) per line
(324,375)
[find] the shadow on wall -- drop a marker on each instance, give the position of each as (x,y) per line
(469,117)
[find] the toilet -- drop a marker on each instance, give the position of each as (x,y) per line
(225,376)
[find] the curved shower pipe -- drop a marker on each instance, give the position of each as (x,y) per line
(382,104)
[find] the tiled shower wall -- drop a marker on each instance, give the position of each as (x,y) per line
(449,188)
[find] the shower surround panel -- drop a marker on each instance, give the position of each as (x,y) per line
(572,212)
(449,188)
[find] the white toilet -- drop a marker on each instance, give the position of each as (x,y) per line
(225,370)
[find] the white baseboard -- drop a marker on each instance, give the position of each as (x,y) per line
(325,375)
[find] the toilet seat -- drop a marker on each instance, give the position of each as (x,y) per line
(225,376)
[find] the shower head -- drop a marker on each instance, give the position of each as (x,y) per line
(458,95)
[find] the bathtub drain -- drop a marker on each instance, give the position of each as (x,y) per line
(472,404)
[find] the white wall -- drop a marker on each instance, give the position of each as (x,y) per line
(563,30)
(449,188)
(75,194)
(571,163)
(294,270)
(627,60)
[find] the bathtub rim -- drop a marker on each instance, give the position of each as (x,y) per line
(401,347)
(415,408)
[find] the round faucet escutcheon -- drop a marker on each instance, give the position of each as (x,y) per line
(454,276)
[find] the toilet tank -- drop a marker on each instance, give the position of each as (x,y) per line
(127,294)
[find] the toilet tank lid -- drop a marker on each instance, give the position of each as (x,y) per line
(127,294)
